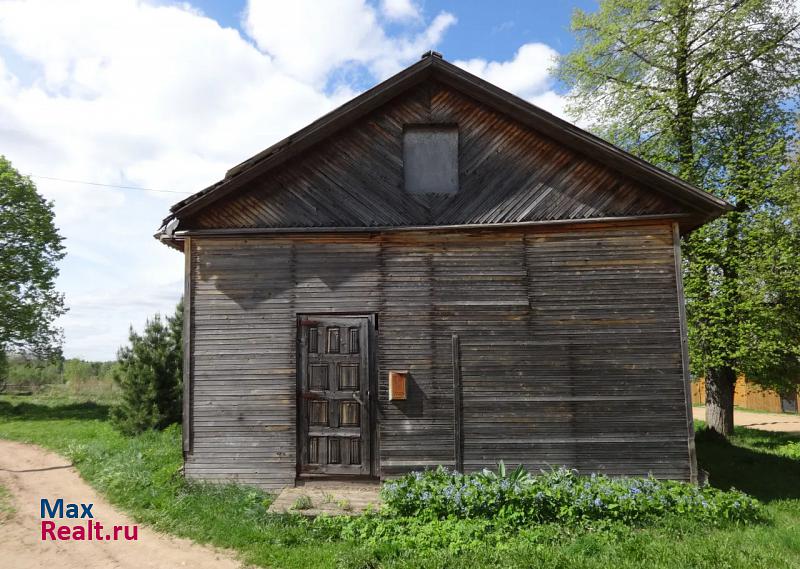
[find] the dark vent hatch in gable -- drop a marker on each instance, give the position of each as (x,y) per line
(430,159)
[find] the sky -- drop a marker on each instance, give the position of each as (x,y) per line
(168,96)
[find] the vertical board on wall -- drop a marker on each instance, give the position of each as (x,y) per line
(684,332)
(188,317)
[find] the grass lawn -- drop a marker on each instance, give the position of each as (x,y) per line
(141,475)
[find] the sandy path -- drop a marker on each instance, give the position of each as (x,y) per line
(31,474)
(780,422)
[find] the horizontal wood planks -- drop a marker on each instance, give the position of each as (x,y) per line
(569,347)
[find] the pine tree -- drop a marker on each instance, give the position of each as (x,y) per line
(150,376)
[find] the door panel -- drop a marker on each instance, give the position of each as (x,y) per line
(334,395)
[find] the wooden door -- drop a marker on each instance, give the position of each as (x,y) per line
(334,395)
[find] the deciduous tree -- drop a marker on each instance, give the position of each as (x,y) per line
(30,249)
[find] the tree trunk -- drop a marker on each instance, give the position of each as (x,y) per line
(683,125)
(720,384)
(3,368)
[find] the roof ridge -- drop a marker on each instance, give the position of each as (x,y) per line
(517,108)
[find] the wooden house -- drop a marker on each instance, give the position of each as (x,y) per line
(436,273)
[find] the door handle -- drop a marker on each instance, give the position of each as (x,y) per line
(357,398)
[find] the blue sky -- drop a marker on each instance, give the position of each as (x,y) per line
(168,95)
(491,30)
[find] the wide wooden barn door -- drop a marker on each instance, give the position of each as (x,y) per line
(334,395)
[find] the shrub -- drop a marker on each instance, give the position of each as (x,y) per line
(444,512)
(561,496)
(303,502)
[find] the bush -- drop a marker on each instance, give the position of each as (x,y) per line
(440,511)
(561,496)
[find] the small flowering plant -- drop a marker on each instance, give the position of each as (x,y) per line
(560,495)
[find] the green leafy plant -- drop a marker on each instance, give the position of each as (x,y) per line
(560,495)
(303,502)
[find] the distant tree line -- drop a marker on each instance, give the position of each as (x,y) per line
(23,369)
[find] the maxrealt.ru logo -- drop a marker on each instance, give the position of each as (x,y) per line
(91,530)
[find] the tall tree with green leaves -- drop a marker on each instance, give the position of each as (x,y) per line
(708,89)
(150,375)
(30,249)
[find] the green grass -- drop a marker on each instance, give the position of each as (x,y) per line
(141,475)
(6,505)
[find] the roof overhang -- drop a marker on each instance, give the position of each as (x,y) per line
(176,240)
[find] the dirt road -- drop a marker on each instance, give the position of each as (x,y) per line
(31,474)
(780,422)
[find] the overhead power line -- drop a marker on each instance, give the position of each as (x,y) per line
(108,185)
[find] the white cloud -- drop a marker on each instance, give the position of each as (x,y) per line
(400,10)
(309,39)
(133,93)
(527,75)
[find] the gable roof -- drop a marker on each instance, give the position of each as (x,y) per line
(703,205)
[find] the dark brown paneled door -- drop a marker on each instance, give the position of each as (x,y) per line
(334,395)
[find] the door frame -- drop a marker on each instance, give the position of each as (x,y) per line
(373,408)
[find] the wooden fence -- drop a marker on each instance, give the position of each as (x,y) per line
(750,396)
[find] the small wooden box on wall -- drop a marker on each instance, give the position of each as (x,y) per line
(397,385)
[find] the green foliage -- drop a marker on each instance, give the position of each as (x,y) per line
(708,89)
(660,79)
(37,371)
(560,496)
(742,272)
(440,510)
(33,371)
(150,376)
(393,536)
(791,449)
(141,475)
(30,248)
(80,371)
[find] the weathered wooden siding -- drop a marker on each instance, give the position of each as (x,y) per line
(570,346)
(507,173)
